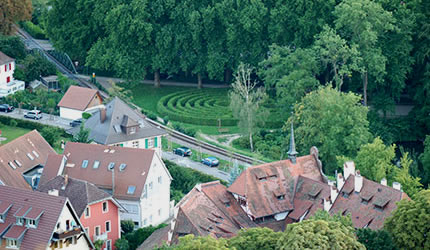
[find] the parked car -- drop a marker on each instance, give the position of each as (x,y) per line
(6,108)
(76,122)
(210,161)
(34,114)
(183,151)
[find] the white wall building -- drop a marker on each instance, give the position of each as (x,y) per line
(8,85)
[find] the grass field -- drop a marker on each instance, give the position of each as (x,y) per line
(11,133)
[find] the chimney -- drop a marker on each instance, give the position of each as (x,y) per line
(333,193)
(331,183)
(358,183)
(102,115)
(340,181)
(397,185)
(348,169)
(66,181)
(384,182)
(327,205)
(292,153)
(53,192)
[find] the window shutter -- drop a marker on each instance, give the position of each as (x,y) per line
(155,142)
(146,143)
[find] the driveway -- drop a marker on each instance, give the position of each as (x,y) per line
(187,162)
(47,119)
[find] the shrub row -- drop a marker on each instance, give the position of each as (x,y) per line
(34,30)
(29,124)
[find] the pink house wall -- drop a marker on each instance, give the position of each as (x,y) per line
(98,218)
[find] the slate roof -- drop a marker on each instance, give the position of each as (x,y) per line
(109,131)
(5,58)
(362,213)
(15,153)
(52,206)
(80,193)
(77,98)
(138,162)
(208,209)
(263,185)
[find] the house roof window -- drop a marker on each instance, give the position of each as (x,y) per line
(18,163)
(111,165)
(11,165)
(30,156)
(36,154)
(96,164)
(131,189)
(122,166)
(84,163)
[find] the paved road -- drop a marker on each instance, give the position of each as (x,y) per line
(47,119)
(187,162)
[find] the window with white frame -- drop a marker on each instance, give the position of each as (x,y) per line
(107,226)
(12,243)
(135,144)
(151,143)
(108,245)
(87,212)
(97,230)
(105,207)
(20,221)
(31,223)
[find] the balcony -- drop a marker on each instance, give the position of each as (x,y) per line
(102,237)
(67,234)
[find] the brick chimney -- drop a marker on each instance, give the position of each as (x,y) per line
(333,193)
(102,115)
(358,183)
(66,181)
(340,181)
(397,185)
(384,182)
(327,204)
(348,169)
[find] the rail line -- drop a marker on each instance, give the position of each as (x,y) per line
(175,134)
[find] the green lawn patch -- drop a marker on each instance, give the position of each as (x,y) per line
(11,133)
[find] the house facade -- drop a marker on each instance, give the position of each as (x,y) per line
(136,178)
(8,85)
(119,125)
(99,213)
(78,100)
(35,220)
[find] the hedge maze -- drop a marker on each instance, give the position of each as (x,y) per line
(203,108)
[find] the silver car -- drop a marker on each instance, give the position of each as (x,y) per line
(34,114)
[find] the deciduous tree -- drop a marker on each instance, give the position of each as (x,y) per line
(255,239)
(410,185)
(425,161)
(376,239)
(13,11)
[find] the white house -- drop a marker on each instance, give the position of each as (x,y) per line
(78,100)
(137,178)
(8,85)
(35,220)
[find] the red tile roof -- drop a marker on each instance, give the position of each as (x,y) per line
(5,58)
(34,213)
(4,206)
(138,162)
(22,211)
(77,98)
(15,232)
(363,212)
(16,153)
(262,185)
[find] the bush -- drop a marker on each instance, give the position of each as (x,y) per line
(33,29)
(86,115)
(51,134)
(31,125)
(166,120)
(121,244)
(35,65)
(137,237)
(127,226)
(12,46)
(13,123)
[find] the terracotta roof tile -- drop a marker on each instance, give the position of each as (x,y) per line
(16,153)
(77,98)
(4,207)
(15,232)
(5,58)
(34,213)
(22,211)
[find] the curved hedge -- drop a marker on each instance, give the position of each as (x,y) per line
(203,108)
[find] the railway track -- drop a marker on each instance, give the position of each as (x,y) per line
(175,134)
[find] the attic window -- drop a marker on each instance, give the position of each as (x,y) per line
(111,165)
(30,156)
(262,179)
(280,197)
(345,194)
(84,163)
(18,163)
(96,164)
(131,189)
(11,165)
(117,128)
(36,154)
(364,201)
(122,166)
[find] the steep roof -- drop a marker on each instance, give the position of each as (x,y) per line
(138,161)
(208,209)
(269,188)
(5,58)
(51,206)
(371,206)
(80,193)
(77,98)
(21,155)
(156,239)
(118,113)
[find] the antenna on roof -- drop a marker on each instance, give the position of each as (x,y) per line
(292,153)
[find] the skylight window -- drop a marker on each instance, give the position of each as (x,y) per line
(122,166)
(30,156)
(11,165)
(131,189)
(111,165)
(117,129)
(18,163)
(84,163)
(96,164)
(36,154)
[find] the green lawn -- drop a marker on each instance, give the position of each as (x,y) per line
(11,133)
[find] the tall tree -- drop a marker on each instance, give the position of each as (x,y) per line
(255,239)
(190,242)
(425,162)
(336,54)
(246,102)
(410,185)
(12,11)
(376,239)
(409,223)
(333,121)
(364,22)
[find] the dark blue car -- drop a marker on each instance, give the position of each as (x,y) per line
(210,161)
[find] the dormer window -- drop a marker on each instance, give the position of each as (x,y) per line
(11,243)
(132,130)
(31,223)
(20,221)
(84,163)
